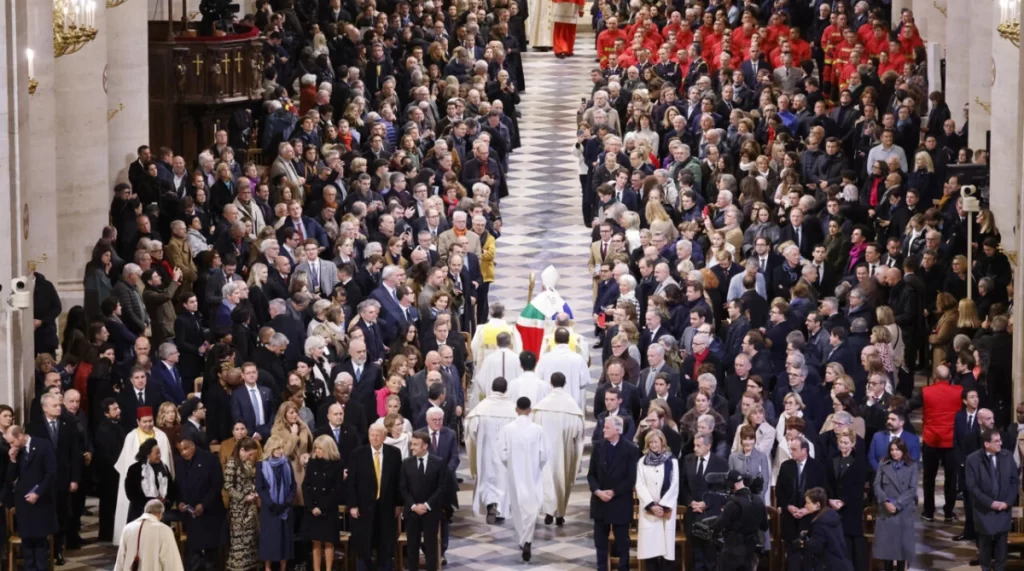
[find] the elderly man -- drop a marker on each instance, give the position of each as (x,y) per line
(283,165)
(372,489)
(459,228)
(154,544)
(127,290)
(483,426)
(611,478)
(179,254)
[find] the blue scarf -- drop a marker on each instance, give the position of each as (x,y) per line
(278,474)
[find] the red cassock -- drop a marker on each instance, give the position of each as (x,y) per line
(565,14)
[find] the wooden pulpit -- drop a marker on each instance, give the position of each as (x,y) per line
(197,83)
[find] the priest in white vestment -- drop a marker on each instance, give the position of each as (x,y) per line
(524,450)
(485,339)
(132,441)
(502,363)
(157,547)
(483,423)
(540,25)
(563,360)
(577,342)
(562,421)
(529,384)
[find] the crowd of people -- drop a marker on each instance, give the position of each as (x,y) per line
(283,350)
(779,248)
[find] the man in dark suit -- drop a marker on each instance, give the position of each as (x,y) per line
(165,373)
(62,435)
(692,493)
(752,65)
(613,407)
(191,341)
(354,414)
(140,393)
(386,295)
(805,236)
(993,483)
(304,225)
(269,357)
(374,501)
(797,475)
(370,324)
(424,487)
(657,365)
(345,436)
(612,476)
(841,352)
(253,404)
(193,413)
(631,401)
(107,444)
(444,444)
(366,377)
(199,479)
(966,431)
(282,322)
(33,470)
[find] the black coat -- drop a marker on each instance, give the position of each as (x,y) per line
(849,487)
(107,444)
(355,418)
(46,307)
(419,488)
(296,334)
(199,483)
(35,471)
(693,489)
(195,434)
(613,468)
(347,441)
(374,513)
(789,492)
(67,452)
(128,400)
(189,337)
(322,487)
(826,546)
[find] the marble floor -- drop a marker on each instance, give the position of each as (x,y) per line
(542,226)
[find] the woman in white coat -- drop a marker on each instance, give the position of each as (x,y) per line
(657,490)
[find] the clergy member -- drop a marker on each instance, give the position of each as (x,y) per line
(132,441)
(562,421)
(149,539)
(577,342)
(501,363)
(524,450)
(484,422)
(485,340)
(563,360)
(529,384)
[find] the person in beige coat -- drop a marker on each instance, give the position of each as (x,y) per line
(151,540)
(450,236)
(180,255)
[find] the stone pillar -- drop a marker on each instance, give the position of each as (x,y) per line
(127,87)
(83,187)
(982,63)
(958,63)
(1006,135)
(931,22)
(16,338)
(897,8)
(41,128)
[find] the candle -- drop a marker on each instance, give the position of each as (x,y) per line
(30,56)
(65,21)
(91,10)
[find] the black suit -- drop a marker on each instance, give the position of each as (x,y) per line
(966,441)
(808,237)
(789,491)
(847,484)
(188,336)
(423,487)
(347,440)
(35,471)
(195,434)
(68,457)
(128,400)
(107,444)
(355,417)
(692,488)
(613,467)
(375,528)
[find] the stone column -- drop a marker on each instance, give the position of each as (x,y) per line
(958,63)
(931,22)
(127,86)
(41,129)
(83,187)
(1006,135)
(982,62)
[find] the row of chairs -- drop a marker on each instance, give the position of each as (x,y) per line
(14,553)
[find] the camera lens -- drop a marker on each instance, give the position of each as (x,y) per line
(19,284)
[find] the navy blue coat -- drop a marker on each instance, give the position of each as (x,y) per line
(35,471)
(170,382)
(613,468)
(200,482)
(277,536)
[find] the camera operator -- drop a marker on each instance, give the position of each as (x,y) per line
(742,521)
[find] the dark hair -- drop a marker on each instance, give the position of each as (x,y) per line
(436,390)
(499,385)
(901,445)
(528,361)
(145,449)
(523,403)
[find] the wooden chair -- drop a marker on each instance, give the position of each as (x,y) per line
(682,541)
(180,536)
(777,559)
(1015,539)
(14,543)
(634,537)
(403,541)
(868,519)
(344,537)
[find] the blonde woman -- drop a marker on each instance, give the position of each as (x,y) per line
(168,420)
(295,439)
(763,431)
(945,329)
(323,490)
(397,436)
(792,407)
(657,489)
(278,490)
(887,319)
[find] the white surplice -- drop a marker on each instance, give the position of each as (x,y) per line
(528,385)
(483,424)
(540,26)
(656,536)
(563,360)
(157,548)
(577,342)
(523,448)
(132,443)
(501,363)
(562,421)
(485,338)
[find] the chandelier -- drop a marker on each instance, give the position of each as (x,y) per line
(74,25)
(1009,21)
(115,3)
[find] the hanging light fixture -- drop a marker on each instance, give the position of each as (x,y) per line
(74,25)
(115,3)
(1009,21)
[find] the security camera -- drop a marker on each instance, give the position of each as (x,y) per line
(21,292)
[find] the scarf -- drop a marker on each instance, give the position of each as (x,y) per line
(873,197)
(652,459)
(278,474)
(698,360)
(154,480)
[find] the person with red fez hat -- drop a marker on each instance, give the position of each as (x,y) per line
(151,481)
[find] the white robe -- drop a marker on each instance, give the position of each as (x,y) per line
(656,536)
(524,450)
(125,461)
(540,26)
(582,345)
(528,385)
(483,424)
(563,360)
(158,548)
(501,363)
(480,349)
(562,421)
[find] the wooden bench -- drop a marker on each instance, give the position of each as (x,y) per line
(14,543)
(868,521)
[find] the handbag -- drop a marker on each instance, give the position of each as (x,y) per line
(137,563)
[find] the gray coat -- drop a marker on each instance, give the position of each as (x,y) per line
(328,276)
(755,465)
(894,533)
(978,470)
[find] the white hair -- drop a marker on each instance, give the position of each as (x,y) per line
(435,411)
(314,342)
(131,270)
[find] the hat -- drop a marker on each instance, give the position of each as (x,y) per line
(733,476)
(143,411)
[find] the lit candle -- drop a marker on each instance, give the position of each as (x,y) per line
(91,11)
(65,18)
(30,56)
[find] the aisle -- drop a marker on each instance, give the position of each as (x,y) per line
(542,226)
